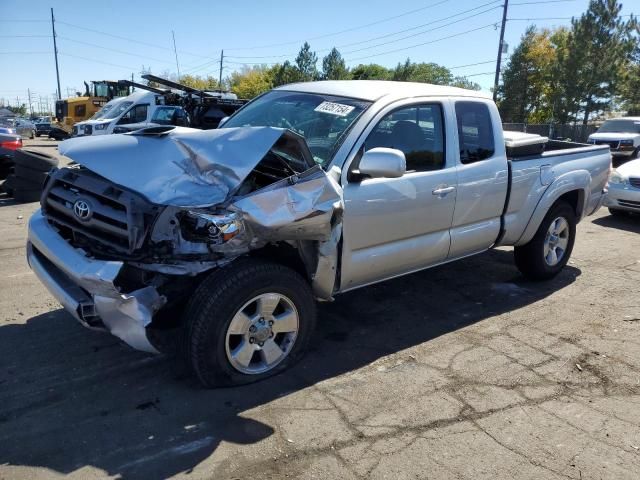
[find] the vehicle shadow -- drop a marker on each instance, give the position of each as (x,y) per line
(630,223)
(71,398)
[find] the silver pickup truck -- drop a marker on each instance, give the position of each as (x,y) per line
(227,237)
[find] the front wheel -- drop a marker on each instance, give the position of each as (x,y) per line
(247,321)
(550,248)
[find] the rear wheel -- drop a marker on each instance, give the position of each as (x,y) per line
(550,248)
(246,322)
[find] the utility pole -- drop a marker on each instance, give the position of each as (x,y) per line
(55,52)
(176,53)
(500,47)
(221,60)
(133,89)
(29,97)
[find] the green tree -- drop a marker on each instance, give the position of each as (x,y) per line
(333,66)
(251,82)
(306,63)
(630,90)
(371,71)
(518,93)
(285,73)
(463,82)
(600,48)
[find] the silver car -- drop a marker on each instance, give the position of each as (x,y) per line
(624,189)
(25,128)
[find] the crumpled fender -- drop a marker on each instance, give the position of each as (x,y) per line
(576,180)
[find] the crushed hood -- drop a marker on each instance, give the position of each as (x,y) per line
(182,167)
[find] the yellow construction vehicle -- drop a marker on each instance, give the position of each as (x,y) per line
(76,109)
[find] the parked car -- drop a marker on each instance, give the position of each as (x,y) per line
(623,194)
(9,143)
(43,128)
(622,135)
(25,128)
(309,191)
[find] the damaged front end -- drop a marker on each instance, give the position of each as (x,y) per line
(168,205)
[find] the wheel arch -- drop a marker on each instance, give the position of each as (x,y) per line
(572,187)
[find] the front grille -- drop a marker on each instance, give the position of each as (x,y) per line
(634,182)
(629,203)
(87,209)
(613,144)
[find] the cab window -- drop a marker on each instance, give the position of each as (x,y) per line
(475,132)
(136,114)
(416,131)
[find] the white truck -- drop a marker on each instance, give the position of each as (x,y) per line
(622,135)
(227,237)
(154,107)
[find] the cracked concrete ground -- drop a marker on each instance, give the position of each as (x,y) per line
(463,371)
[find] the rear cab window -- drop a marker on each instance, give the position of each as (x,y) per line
(475,132)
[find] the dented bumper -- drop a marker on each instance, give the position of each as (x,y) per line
(85,287)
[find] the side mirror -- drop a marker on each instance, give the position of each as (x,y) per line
(383,162)
(223,121)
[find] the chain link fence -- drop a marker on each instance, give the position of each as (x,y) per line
(573,132)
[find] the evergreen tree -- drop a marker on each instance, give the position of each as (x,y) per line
(306,64)
(333,66)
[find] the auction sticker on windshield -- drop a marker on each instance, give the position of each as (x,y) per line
(334,109)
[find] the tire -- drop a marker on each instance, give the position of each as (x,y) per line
(35,176)
(207,342)
(27,196)
(37,135)
(530,258)
(618,213)
(35,160)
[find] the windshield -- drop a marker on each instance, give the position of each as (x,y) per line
(620,126)
(322,120)
(113,110)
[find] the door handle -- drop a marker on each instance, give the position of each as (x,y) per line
(443,190)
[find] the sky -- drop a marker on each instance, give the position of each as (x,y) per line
(113,39)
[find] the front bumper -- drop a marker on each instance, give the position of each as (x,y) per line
(623,197)
(85,287)
(622,153)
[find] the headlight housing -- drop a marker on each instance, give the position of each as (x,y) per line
(210,228)
(100,126)
(616,179)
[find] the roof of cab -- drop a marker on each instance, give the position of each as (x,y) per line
(373,90)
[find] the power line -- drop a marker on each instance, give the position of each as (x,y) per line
(393,33)
(128,39)
(359,27)
(146,57)
(420,33)
(478,74)
(24,53)
(471,64)
(424,43)
(24,36)
(543,1)
(98,61)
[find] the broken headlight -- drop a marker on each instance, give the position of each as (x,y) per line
(210,228)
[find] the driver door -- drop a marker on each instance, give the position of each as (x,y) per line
(394,226)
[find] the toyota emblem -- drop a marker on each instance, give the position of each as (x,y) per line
(82,210)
